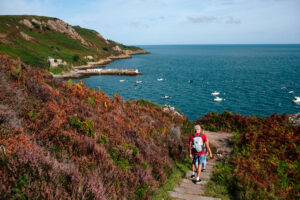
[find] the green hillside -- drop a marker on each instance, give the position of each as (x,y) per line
(35,38)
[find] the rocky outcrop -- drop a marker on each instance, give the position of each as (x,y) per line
(56,25)
(175,132)
(295,119)
(117,48)
(63,27)
(26,22)
(171,110)
(139,51)
(27,37)
(102,38)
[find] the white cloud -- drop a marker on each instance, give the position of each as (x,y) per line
(17,7)
(232,20)
(202,19)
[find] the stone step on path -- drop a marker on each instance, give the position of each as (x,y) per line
(187,189)
(184,196)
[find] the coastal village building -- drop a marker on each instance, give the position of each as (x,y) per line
(89,57)
(56,62)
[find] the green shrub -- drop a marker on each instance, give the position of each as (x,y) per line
(16,72)
(17,191)
(37,26)
(103,139)
(134,149)
(144,102)
(46,28)
(76,58)
(140,191)
(83,126)
(70,83)
(91,101)
(144,165)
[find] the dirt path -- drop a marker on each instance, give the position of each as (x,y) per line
(187,190)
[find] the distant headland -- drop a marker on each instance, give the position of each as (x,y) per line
(58,47)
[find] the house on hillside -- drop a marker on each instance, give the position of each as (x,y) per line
(55,62)
(88,57)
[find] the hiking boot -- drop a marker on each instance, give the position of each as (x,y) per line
(197,181)
(202,170)
(193,176)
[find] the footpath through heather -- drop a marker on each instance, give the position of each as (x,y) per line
(187,189)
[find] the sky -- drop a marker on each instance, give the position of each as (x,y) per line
(142,22)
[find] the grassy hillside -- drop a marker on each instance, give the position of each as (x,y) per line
(34,38)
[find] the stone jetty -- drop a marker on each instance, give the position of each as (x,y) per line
(88,72)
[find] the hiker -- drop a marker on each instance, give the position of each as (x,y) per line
(206,154)
(204,162)
(197,151)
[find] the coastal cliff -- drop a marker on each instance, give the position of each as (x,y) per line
(55,45)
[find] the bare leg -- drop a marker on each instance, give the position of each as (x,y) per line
(199,170)
(193,167)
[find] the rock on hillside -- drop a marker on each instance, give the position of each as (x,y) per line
(295,119)
(57,25)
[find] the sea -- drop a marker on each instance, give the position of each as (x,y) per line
(250,79)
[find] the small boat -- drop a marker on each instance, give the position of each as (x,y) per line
(138,82)
(283,88)
(164,97)
(191,81)
(296,100)
(215,93)
(122,81)
(160,79)
(218,99)
(291,92)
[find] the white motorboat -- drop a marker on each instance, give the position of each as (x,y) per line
(164,97)
(296,100)
(218,99)
(215,93)
(122,81)
(291,92)
(138,82)
(160,79)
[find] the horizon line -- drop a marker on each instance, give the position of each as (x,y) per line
(215,44)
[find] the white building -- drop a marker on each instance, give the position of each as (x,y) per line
(93,70)
(55,62)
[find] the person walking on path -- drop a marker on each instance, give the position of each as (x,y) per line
(206,154)
(197,150)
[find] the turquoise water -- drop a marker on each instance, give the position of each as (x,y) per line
(253,79)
